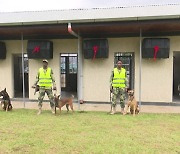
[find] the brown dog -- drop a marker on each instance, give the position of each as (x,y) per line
(132,103)
(60,102)
(6,102)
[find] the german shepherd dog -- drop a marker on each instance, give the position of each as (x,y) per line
(60,102)
(132,103)
(6,102)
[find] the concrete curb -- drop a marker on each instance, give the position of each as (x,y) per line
(100,107)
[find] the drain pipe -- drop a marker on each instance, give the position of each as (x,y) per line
(140,66)
(71,31)
(80,68)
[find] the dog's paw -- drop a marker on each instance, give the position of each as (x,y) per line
(2,105)
(124,113)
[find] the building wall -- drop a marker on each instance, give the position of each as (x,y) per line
(59,46)
(97,72)
(157,76)
(15,47)
(6,66)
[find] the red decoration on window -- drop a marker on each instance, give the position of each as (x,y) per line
(36,49)
(156,49)
(95,50)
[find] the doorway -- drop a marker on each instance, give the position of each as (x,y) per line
(127,59)
(176,76)
(68,75)
(18,76)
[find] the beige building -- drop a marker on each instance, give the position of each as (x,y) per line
(124,28)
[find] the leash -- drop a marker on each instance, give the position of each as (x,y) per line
(55,92)
(36,89)
(110,99)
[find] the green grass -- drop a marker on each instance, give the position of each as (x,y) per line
(22,131)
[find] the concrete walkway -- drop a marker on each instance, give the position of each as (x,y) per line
(100,107)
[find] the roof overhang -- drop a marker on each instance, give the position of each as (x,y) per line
(162,27)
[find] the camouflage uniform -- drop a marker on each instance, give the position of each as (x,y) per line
(121,93)
(42,91)
(47,90)
(118,92)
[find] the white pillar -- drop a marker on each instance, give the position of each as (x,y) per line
(22,46)
(80,65)
(80,72)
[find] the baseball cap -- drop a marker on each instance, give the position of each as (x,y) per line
(45,60)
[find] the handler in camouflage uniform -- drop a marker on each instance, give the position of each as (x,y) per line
(118,86)
(45,80)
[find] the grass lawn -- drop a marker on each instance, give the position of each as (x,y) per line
(22,131)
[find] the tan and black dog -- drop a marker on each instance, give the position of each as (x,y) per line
(6,102)
(60,102)
(132,103)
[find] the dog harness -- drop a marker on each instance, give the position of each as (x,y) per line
(45,79)
(119,78)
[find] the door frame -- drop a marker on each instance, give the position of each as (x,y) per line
(175,97)
(26,84)
(67,74)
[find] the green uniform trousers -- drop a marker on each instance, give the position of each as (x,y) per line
(118,93)
(49,93)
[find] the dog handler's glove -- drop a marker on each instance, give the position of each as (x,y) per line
(111,89)
(54,88)
(33,86)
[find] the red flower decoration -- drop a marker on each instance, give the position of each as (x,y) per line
(95,50)
(156,49)
(36,49)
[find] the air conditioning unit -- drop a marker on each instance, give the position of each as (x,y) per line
(155,48)
(2,50)
(95,48)
(40,49)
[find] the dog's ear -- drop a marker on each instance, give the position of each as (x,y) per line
(5,89)
(128,89)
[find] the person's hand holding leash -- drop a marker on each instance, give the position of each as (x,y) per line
(111,89)
(54,88)
(33,86)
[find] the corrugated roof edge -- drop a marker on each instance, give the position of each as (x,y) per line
(103,8)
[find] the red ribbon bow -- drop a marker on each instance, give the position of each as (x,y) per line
(36,49)
(156,49)
(95,50)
